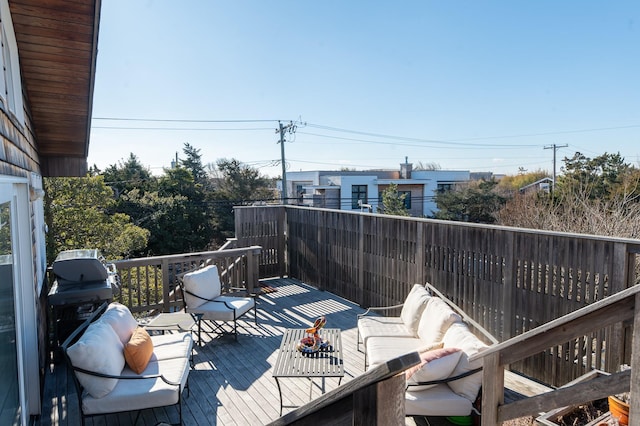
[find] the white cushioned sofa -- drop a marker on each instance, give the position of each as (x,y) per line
(119,367)
(445,383)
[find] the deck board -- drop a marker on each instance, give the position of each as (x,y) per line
(231,383)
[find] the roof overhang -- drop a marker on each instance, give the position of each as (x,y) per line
(58,44)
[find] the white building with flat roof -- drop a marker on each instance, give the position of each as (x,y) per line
(349,190)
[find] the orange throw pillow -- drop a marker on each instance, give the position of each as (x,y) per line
(138,351)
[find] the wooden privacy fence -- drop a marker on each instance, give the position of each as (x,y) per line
(509,280)
(148,284)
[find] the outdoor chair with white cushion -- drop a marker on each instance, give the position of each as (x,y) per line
(203,296)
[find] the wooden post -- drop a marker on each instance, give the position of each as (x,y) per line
(508,293)
(361,297)
(166,303)
(634,404)
(381,403)
(492,389)
(419,272)
(618,281)
(252,268)
(282,241)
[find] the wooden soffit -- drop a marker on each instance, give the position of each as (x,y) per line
(57,44)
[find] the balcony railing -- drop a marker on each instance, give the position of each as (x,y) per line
(148,284)
(509,280)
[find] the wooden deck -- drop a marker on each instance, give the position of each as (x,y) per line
(232,383)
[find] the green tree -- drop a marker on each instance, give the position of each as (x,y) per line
(393,203)
(183,223)
(77,215)
(128,175)
(193,163)
(476,202)
(594,178)
(235,184)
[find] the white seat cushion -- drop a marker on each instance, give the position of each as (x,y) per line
(219,311)
(413,307)
(131,395)
(174,345)
(378,326)
(383,349)
(436,401)
(201,285)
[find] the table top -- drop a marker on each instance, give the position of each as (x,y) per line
(324,363)
(171,321)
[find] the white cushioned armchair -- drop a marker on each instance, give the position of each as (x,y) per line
(202,295)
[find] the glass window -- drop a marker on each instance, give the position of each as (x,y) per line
(358,193)
(444,187)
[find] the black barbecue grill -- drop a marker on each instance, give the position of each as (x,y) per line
(82,280)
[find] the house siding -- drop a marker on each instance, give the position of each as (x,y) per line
(19,158)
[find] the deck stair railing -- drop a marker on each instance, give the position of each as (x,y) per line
(622,307)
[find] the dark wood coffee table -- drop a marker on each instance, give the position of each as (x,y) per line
(324,363)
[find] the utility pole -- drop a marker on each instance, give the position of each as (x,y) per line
(555,148)
(291,128)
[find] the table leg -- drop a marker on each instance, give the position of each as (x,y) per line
(280,394)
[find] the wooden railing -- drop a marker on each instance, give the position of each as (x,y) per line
(148,284)
(373,398)
(616,309)
(509,280)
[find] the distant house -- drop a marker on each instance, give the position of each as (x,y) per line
(48,55)
(542,185)
(350,190)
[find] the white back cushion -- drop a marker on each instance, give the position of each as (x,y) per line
(413,307)
(99,350)
(204,283)
(459,336)
(119,317)
(435,320)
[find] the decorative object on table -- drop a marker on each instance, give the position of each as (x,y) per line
(312,342)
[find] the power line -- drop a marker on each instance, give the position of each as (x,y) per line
(179,128)
(176,120)
(468,145)
(381,135)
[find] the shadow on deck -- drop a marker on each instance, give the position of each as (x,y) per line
(231,383)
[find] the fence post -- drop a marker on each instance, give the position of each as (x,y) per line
(619,280)
(252,268)
(360,292)
(419,271)
(166,303)
(282,241)
(508,294)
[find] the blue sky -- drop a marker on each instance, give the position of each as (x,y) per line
(468,85)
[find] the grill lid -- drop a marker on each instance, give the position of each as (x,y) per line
(80,266)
